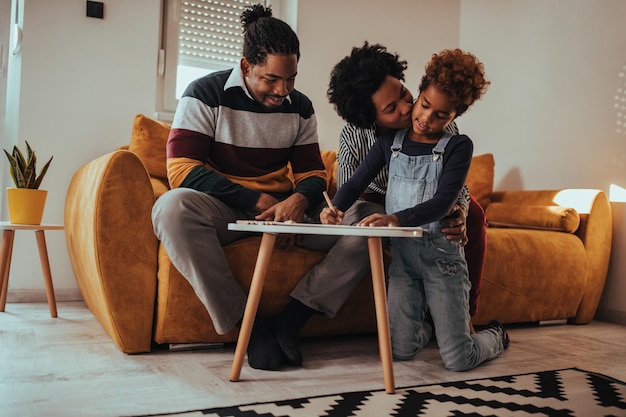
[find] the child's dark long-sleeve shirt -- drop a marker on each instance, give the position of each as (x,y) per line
(456,161)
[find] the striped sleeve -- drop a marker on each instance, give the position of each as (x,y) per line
(452,128)
(464,198)
(354,144)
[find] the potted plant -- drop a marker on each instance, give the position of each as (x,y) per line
(26,201)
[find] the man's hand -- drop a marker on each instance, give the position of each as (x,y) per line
(455,221)
(290,209)
(265,202)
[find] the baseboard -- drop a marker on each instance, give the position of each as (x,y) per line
(177,347)
(611,316)
(552,322)
(39,295)
(73,294)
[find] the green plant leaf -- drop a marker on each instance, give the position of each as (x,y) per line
(19,156)
(30,173)
(16,172)
(37,182)
(31,153)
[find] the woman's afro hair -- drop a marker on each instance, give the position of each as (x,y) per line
(357,77)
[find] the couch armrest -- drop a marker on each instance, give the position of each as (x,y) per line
(112,246)
(595,231)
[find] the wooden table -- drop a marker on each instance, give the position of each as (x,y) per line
(374,236)
(6,251)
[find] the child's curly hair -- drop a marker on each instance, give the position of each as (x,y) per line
(359,75)
(458,74)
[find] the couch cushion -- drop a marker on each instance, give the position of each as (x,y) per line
(530,276)
(148,140)
(159,186)
(557,218)
(480,178)
(330,164)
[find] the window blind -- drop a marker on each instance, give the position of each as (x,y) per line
(210,33)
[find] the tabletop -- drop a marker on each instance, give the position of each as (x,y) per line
(324,229)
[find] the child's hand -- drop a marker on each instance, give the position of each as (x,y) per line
(331,216)
(379,219)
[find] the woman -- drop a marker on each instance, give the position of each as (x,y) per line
(428,167)
(367,91)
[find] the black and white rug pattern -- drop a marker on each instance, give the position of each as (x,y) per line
(567,392)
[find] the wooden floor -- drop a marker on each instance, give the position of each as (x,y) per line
(69,367)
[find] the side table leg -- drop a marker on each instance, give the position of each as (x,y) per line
(6,250)
(382,315)
(47,275)
(252,305)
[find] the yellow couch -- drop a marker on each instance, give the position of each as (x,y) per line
(545,260)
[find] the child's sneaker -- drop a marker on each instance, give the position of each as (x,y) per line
(495,324)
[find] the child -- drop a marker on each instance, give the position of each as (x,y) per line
(427,169)
(367,90)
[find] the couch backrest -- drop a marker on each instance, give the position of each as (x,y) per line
(149,138)
(480,178)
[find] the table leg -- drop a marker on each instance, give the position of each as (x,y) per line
(6,250)
(382,315)
(47,275)
(252,304)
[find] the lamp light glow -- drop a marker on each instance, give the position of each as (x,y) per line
(579,199)
(617,194)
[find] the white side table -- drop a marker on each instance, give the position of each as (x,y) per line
(6,251)
(374,236)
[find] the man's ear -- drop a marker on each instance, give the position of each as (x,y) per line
(245,67)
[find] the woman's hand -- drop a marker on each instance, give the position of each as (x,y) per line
(455,221)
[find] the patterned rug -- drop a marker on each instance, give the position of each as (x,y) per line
(565,392)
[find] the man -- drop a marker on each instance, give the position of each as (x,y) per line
(232,138)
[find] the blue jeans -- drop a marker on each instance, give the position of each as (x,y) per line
(430,274)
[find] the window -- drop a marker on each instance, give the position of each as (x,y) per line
(200,37)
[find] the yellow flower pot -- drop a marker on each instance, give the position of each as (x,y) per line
(26,205)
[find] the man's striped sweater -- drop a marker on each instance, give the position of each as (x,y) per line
(228,145)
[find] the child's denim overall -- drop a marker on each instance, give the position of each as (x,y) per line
(429,273)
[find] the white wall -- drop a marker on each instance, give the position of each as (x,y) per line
(548,117)
(5,20)
(82,82)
